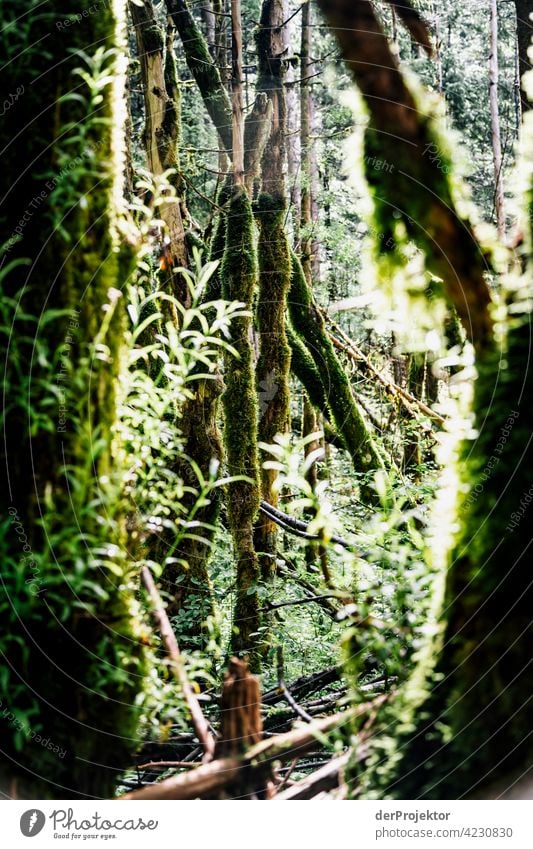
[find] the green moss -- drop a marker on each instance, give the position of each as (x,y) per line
(273,365)
(203,69)
(74,664)
(414,190)
(348,420)
(239,281)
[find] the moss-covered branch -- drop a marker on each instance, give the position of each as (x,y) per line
(407,168)
(348,419)
(203,69)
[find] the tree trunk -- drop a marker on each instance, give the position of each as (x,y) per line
(464,719)
(348,420)
(273,365)
(239,279)
(236,94)
(524,31)
(306,219)
(495,121)
(162,125)
(203,69)
(406,169)
(71,640)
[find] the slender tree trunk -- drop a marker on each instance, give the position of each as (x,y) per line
(306,220)
(273,365)
(293,146)
(201,439)
(209,20)
(236,96)
(524,32)
(239,281)
(161,136)
(495,121)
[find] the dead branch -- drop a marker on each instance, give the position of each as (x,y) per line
(323,779)
(305,685)
(176,661)
(296,526)
(213,777)
(165,765)
(392,388)
(314,598)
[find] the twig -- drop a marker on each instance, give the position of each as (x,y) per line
(299,711)
(287,776)
(169,639)
(166,765)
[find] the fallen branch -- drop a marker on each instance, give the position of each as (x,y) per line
(353,350)
(314,598)
(211,777)
(326,778)
(176,661)
(165,765)
(305,685)
(296,526)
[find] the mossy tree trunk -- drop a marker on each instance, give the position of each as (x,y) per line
(273,365)
(239,281)
(185,576)
(71,635)
(416,183)
(203,69)
(465,717)
(239,275)
(348,419)
(463,721)
(162,122)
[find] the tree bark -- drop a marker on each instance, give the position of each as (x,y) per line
(495,121)
(203,69)
(162,122)
(236,94)
(239,280)
(524,31)
(273,365)
(72,635)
